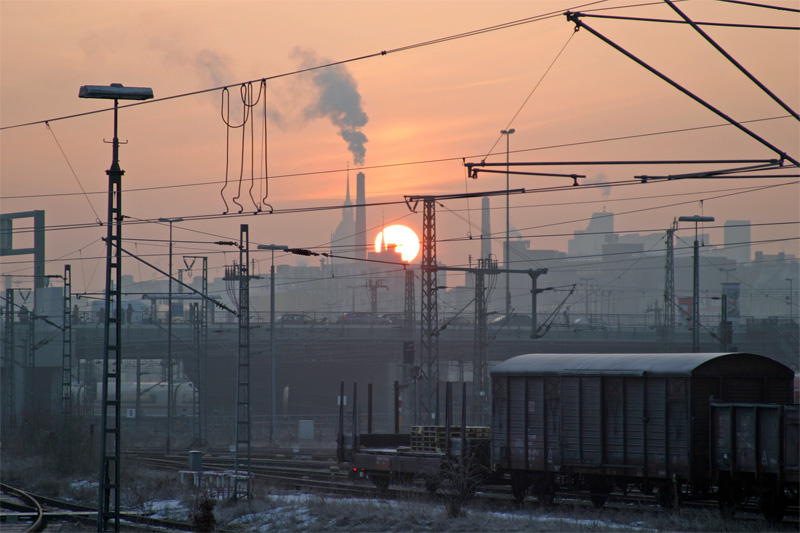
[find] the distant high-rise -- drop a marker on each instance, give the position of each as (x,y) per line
(486,229)
(343,239)
(737,240)
(361,217)
(590,241)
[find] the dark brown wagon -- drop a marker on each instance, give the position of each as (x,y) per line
(603,422)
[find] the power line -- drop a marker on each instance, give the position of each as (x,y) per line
(471,33)
(411,163)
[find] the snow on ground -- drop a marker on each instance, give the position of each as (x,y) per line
(166,509)
(296,512)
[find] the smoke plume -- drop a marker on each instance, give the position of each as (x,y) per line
(337,98)
(599,179)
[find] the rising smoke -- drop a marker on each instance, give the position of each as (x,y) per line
(599,179)
(210,66)
(337,98)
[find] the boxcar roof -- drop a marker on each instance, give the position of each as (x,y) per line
(674,364)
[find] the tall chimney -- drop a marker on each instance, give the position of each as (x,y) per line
(361,217)
(486,229)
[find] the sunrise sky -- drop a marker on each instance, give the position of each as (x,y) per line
(419,110)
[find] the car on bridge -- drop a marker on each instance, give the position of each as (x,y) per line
(513,320)
(363,319)
(300,319)
(591,324)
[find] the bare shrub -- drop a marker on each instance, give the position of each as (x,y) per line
(202,515)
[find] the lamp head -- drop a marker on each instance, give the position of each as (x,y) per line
(115,91)
(695,219)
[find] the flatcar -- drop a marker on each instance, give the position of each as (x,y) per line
(602,422)
(152,399)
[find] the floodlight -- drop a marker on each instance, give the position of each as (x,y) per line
(115,91)
(695,219)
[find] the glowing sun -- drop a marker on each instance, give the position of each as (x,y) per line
(402,238)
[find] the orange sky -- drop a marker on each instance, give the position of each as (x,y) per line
(437,103)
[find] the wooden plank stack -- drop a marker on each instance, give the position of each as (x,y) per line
(433,438)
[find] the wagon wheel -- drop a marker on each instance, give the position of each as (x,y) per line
(728,497)
(598,492)
(431,484)
(519,487)
(382,482)
(668,496)
(772,502)
(546,493)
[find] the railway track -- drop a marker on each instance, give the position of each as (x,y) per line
(318,475)
(23,511)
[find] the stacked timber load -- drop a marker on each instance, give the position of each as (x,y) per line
(434,438)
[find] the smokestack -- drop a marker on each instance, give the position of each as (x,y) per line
(361,217)
(486,229)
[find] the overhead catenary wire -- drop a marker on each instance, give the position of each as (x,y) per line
(530,94)
(756,4)
(339,207)
(471,33)
(408,163)
(579,24)
(74,174)
(730,58)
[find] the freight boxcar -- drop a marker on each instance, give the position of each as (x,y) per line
(601,422)
(755,453)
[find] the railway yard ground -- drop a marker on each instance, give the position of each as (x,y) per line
(301,494)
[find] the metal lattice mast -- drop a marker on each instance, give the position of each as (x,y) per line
(201,348)
(243,429)
(196,425)
(669,288)
(9,384)
(110,430)
(430,311)
(410,304)
(203,371)
(480,378)
(30,364)
(66,370)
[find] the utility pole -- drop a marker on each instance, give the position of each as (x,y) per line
(479,374)
(668,333)
(200,395)
(9,385)
(66,370)
(430,310)
(170,377)
(373,286)
(243,427)
(410,307)
(111,421)
(430,315)
(508,133)
(696,280)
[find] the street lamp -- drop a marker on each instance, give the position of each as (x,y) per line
(272,248)
(508,133)
(110,464)
(169,333)
(695,280)
(791,303)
